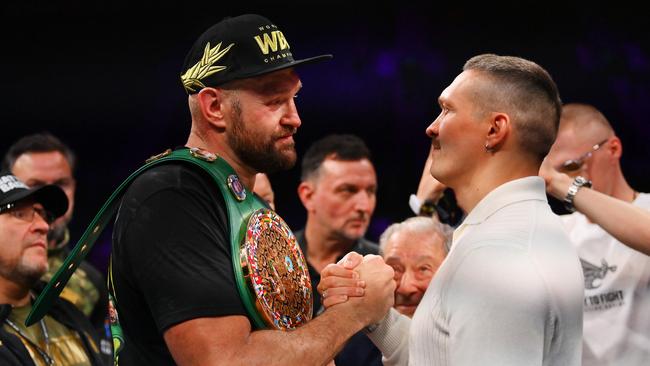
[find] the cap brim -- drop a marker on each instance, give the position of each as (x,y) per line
(51,197)
(295,63)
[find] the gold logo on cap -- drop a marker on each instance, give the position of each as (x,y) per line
(272,41)
(202,69)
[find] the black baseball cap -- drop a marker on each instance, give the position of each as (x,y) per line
(238,48)
(12,190)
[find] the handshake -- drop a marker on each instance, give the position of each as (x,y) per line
(361,286)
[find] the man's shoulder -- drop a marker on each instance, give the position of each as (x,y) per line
(12,349)
(171,175)
(178,177)
(165,195)
(64,311)
(643,200)
(300,238)
(365,246)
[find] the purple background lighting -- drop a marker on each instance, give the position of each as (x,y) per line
(103,76)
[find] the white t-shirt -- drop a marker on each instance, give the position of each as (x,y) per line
(508,294)
(617,294)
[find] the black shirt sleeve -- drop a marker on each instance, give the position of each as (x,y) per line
(172,256)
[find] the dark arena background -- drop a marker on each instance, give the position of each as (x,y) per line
(104,77)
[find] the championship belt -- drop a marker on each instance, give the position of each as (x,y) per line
(269,267)
(276,270)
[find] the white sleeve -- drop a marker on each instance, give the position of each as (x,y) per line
(415,204)
(499,306)
(391,337)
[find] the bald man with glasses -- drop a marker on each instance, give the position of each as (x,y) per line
(610,227)
(573,165)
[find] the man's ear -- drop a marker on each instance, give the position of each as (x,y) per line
(615,147)
(498,130)
(212,103)
(306,193)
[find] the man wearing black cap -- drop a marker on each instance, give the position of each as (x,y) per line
(172,270)
(64,336)
(41,159)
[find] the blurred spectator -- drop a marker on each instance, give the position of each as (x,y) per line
(64,336)
(608,216)
(264,190)
(41,159)
(415,248)
(338,191)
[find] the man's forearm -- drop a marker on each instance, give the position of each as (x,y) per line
(626,222)
(315,343)
(391,337)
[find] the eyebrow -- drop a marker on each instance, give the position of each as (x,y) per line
(40,182)
(443,101)
(425,257)
(418,258)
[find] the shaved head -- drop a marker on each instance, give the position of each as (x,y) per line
(523,90)
(585,121)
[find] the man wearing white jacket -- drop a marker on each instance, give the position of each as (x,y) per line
(510,290)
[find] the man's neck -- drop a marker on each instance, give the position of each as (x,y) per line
(322,247)
(621,189)
(246,174)
(473,190)
(13,293)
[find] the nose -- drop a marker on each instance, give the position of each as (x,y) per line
(432,130)
(407,284)
(291,117)
(39,224)
(364,202)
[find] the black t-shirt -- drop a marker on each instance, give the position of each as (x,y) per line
(171,259)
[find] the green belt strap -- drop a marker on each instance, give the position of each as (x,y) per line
(238,212)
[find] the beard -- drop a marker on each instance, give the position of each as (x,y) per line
(258,150)
(24,273)
(345,233)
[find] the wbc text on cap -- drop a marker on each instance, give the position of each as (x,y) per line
(13,191)
(9,182)
(236,48)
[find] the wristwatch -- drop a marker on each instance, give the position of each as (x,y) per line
(427,208)
(577,183)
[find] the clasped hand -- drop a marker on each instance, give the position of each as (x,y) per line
(365,283)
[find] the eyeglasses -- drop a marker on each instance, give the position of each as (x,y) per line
(573,165)
(26,212)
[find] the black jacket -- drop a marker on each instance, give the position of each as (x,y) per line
(12,350)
